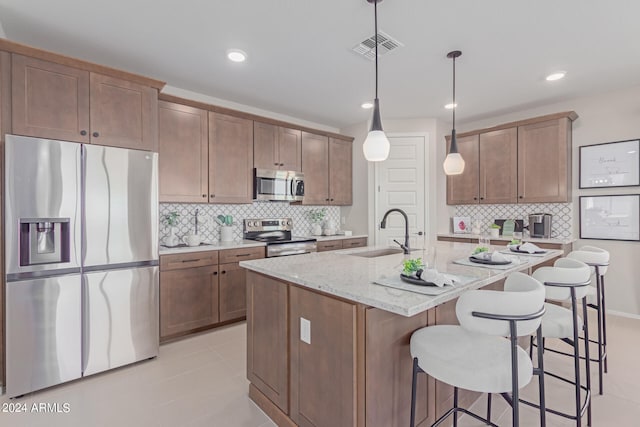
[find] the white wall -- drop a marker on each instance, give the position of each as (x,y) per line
(2,33)
(603,118)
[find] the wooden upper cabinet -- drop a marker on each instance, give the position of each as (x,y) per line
(499,166)
(463,189)
(123,114)
(340,172)
(315,165)
(230,159)
(183,147)
(276,147)
(544,161)
(49,100)
(5,95)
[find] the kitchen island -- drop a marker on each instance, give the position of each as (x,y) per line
(328,347)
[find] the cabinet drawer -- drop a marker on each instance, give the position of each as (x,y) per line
(329,245)
(241,254)
(354,243)
(456,239)
(193,259)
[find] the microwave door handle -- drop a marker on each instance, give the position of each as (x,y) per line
(292,191)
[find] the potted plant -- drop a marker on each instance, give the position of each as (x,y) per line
(316,216)
(494,230)
(171,221)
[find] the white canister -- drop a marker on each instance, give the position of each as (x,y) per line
(226,233)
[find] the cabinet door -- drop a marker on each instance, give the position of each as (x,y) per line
(463,189)
(340,175)
(5,102)
(499,166)
(265,142)
(267,332)
(183,146)
(123,114)
(329,245)
(289,149)
(233,292)
(49,100)
(188,299)
(230,159)
(323,370)
(544,162)
(315,165)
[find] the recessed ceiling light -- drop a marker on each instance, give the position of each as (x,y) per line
(556,76)
(451,106)
(367,105)
(236,55)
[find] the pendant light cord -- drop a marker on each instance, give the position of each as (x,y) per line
(454,92)
(375,20)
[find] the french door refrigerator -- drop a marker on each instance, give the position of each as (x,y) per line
(81,248)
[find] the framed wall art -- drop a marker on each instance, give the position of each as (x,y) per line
(613,164)
(610,217)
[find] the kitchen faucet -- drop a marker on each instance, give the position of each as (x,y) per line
(383,224)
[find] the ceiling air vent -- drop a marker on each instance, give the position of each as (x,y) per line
(386,44)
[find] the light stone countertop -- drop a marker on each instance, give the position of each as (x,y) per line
(553,240)
(337,237)
(214,246)
(351,277)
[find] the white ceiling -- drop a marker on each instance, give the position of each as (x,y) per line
(300,63)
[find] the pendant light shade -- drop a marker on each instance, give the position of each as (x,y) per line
(376,145)
(454,163)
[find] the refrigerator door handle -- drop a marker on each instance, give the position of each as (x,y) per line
(85,323)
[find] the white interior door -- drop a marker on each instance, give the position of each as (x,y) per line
(400,183)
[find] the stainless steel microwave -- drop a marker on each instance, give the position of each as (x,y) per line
(278,185)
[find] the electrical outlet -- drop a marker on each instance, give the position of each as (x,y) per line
(305,330)
(343,220)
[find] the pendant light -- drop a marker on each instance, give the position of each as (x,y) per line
(454,163)
(376,145)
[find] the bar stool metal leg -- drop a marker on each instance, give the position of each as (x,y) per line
(413,392)
(587,360)
(604,325)
(600,332)
(576,357)
(455,405)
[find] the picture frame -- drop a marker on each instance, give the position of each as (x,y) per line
(614,217)
(461,224)
(611,164)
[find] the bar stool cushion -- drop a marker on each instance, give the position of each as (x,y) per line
(469,360)
(557,322)
(564,270)
(592,255)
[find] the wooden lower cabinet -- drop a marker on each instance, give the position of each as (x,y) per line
(334,245)
(233,292)
(323,370)
(267,339)
(188,299)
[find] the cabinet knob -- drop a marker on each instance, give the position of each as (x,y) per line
(275,164)
(215,273)
(96,134)
(326,200)
(212,195)
(83,132)
(475,198)
(331,200)
(223,272)
(281,164)
(481,198)
(521,197)
(204,195)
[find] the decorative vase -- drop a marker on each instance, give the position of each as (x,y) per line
(316,229)
(226,233)
(171,239)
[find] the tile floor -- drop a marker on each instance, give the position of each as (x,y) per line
(200,381)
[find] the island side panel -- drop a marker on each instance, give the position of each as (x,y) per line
(267,338)
(389,368)
(323,370)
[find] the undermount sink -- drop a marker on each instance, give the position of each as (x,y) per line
(379,252)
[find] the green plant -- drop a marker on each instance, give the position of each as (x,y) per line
(480,249)
(412,265)
(494,225)
(317,215)
(514,242)
(171,219)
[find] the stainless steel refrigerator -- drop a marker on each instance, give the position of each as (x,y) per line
(81,248)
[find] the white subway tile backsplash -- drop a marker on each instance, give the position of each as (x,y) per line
(211,232)
(562,222)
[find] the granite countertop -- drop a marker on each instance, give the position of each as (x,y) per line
(213,246)
(556,240)
(351,277)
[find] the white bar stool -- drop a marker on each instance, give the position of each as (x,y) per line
(475,355)
(567,280)
(598,259)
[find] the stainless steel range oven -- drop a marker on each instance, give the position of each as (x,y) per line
(276,232)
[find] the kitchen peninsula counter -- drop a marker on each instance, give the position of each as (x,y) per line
(327,347)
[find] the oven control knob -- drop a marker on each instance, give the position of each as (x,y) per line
(283,222)
(289,222)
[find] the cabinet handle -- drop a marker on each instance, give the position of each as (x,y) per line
(83,132)
(204,195)
(191,260)
(281,164)
(96,134)
(241,255)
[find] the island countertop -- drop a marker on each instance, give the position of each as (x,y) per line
(345,275)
